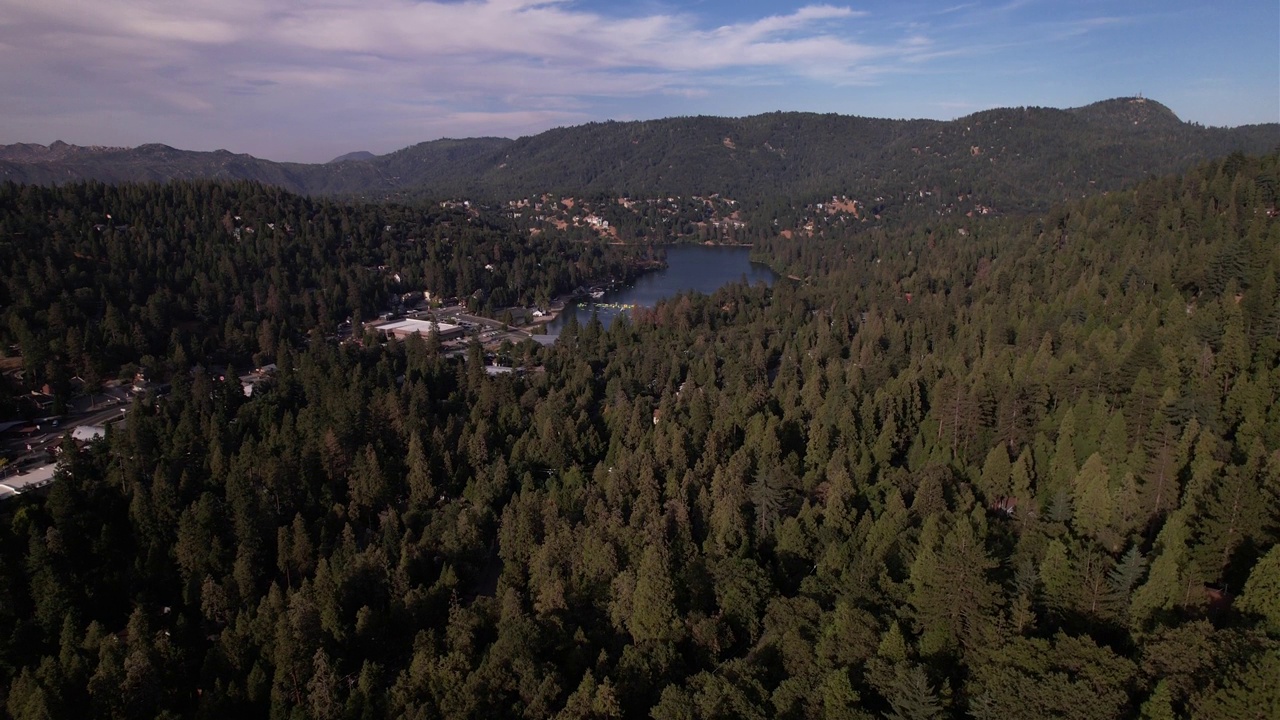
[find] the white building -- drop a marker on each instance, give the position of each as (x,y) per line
(404,328)
(88,433)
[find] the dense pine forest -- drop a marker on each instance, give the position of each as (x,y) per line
(964,467)
(97,277)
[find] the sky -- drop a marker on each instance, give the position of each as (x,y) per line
(307,80)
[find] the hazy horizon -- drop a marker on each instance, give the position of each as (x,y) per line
(295,82)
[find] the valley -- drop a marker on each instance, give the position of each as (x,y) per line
(871,418)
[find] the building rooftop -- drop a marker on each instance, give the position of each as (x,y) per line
(88,433)
(34,478)
(410,326)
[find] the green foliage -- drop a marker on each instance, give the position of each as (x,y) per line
(911,695)
(215,273)
(1261,594)
(1092,501)
(1066,677)
(1252,692)
(1033,491)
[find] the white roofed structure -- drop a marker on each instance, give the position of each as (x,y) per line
(88,433)
(404,328)
(31,479)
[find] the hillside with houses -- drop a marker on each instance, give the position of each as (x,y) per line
(1010,159)
(987,446)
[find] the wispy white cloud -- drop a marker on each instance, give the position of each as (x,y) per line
(955,8)
(292,75)
(503,123)
(1086,25)
(488,65)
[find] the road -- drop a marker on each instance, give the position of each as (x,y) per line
(494,331)
(31,453)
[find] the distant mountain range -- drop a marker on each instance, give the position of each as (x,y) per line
(1011,158)
(353,156)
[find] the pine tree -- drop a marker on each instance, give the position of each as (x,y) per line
(322,689)
(1233,356)
(893,647)
(996,470)
(912,696)
(1092,501)
(953,599)
(767,497)
(1123,578)
(1167,584)
(1022,482)
(1261,594)
(1058,577)
(653,614)
(1234,511)
(1026,581)
(367,484)
(1249,692)
(1114,442)
(838,697)
(958,415)
(422,493)
(1159,489)
(1160,705)
(1062,466)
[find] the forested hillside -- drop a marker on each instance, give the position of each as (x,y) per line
(983,467)
(1011,159)
(97,276)
(1015,159)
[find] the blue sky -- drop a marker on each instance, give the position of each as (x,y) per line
(307,80)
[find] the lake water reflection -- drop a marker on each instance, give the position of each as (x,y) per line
(704,268)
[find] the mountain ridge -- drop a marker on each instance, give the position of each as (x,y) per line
(1021,157)
(357,156)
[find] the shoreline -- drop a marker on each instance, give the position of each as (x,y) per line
(538,326)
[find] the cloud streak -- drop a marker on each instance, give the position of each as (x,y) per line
(296,75)
(478,62)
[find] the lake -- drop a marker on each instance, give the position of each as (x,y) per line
(704,268)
